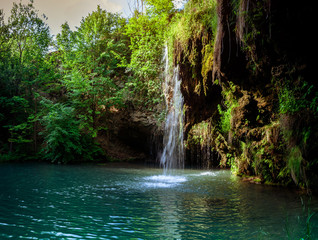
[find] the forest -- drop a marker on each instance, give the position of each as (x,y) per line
(95,94)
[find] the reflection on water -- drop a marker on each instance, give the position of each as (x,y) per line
(98,202)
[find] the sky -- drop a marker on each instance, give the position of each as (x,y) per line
(72,11)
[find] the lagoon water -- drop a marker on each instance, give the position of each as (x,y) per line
(42,201)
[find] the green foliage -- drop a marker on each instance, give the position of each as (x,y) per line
(225,119)
(63,140)
(85,76)
(265,164)
(233,163)
(29,35)
(298,106)
(147,38)
(24,43)
(84,79)
(61,134)
(4,37)
(207,62)
(91,66)
(91,97)
(225,111)
(294,98)
(200,134)
(295,162)
(159,7)
(191,38)
(198,17)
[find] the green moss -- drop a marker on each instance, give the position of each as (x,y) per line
(233,163)
(197,17)
(225,111)
(207,63)
(200,133)
(195,24)
(294,162)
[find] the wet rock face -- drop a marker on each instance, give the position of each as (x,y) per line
(200,103)
(229,59)
(255,36)
(257,52)
(244,115)
(200,152)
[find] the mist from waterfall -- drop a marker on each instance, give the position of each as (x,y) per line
(173,152)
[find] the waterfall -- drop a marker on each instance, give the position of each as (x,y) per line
(173,152)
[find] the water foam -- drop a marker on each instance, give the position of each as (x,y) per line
(164,181)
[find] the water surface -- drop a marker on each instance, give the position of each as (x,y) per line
(40,201)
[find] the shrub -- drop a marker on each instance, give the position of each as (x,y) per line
(63,141)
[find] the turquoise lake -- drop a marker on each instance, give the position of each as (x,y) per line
(42,201)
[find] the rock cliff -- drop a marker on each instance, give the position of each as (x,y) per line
(255,108)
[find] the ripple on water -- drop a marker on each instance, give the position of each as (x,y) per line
(208,173)
(132,204)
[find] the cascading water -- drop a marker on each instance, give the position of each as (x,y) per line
(173,152)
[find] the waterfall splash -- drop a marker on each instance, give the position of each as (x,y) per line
(173,153)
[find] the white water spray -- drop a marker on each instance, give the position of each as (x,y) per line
(173,152)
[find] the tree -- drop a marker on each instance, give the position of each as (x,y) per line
(23,45)
(29,34)
(147,40)
(92,55)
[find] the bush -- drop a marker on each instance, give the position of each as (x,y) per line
(63,141)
